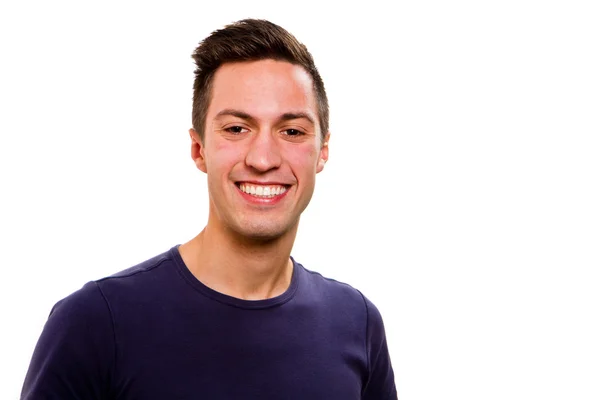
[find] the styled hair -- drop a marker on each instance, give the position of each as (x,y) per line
(250,40)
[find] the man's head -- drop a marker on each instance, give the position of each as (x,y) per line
(250,40)
(260,128)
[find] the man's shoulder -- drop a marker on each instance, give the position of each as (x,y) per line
(79,339)
(126,281)
(334,290)
(148,265)
(141,280)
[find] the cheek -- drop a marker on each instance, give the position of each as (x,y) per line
(223,157)
(303,160)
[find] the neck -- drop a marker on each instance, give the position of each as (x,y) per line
(240,267)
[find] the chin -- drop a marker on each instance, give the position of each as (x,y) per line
(263,232)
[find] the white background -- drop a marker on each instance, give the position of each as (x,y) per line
(462,193)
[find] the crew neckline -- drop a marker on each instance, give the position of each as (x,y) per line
(234,301)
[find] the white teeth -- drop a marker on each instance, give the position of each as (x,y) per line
(262,191)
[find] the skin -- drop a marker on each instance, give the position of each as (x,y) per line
(261,127)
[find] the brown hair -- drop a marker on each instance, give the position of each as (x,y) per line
(250,40)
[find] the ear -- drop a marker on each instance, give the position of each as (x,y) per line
(324,153)
(197,150)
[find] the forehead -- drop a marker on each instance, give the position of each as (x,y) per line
(263,89)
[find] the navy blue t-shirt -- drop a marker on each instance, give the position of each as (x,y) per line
(154,331)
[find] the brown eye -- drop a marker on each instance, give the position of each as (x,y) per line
(293,132)
(236,130)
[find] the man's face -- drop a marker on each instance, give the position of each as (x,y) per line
(262,147)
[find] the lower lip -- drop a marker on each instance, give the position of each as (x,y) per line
(263,200)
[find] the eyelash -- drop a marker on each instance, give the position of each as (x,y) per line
(230,129)
(299,132)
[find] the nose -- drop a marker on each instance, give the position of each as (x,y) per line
(264,153)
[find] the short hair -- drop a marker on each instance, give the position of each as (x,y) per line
(250,40)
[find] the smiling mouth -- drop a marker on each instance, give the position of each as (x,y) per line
(262,191)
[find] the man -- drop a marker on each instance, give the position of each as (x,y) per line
(229,314)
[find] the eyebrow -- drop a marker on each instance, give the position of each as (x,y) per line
(284,117)
(297,115)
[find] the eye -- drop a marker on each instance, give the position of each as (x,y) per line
(293,132)
(236,130)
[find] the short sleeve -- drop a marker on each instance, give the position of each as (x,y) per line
(75,353)
(380,384)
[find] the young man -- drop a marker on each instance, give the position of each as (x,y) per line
(229,314)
